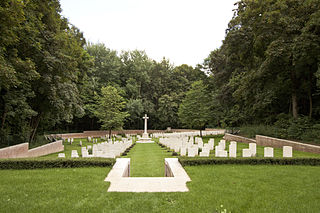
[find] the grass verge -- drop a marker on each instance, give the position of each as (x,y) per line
(147,160)
(238,188)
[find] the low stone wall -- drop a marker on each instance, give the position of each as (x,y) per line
(101,133)
(16,151)
(238,138)
(22,150)
(46,149)
(279,143)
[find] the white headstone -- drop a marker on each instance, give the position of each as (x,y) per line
(233,149)
(268,152)
(222,153)
(61,155)
(223,144)
(246,153)
(211,143)
(287,151)
(183,151)
(253,149)
(74,154)
(205,152)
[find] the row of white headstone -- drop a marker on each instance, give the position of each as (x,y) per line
(187,134)
(187,147)
(102,150)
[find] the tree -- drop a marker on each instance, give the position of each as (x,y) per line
(194,111)
(109,109)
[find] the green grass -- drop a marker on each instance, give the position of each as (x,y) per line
(147,160)
(239,188)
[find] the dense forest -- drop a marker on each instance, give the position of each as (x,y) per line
(266,74)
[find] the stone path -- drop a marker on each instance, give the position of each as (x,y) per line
(175,180)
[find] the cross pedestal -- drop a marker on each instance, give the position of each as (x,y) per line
(145,136)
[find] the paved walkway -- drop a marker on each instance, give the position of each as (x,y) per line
(174,182)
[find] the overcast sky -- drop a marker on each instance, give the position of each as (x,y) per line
(183,31)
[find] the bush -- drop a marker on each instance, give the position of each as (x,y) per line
(251,161)
(58,163)
(286,127)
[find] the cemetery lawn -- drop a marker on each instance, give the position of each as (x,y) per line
(147,160)
(238,188)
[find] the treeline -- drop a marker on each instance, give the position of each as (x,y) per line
(50,78)
(42,62)
(155,88)
(267,70)
(265,73)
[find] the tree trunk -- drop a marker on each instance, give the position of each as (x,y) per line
(310,104)
(294,95)
(200,132)
(35,127)
(3,119)
(92,123)
(110,133)
(310,95)
(294,105)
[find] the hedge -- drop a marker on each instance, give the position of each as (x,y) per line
(250,161)
(57,163)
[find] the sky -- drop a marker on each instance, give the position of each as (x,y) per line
(183,31)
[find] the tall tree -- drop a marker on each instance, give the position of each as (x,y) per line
(110,109)
(194,111)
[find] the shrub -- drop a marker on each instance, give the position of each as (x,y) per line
(57,163)
(251,161)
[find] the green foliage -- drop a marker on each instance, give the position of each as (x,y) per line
(42,60)
(286,127)
(268,63)
(59,163)
(109,109)
(194,111)
(249,161)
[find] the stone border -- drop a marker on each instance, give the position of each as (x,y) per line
(279,143)
(175,180)
(274,142)
(238,138)
(22,150)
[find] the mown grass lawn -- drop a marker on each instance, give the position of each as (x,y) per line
(239,188)
(147,160)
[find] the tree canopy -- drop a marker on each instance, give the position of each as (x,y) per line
(267,71)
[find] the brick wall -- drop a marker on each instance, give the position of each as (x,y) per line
(46,149)
(238,138)
(22,150)
(279,143)
(16,151)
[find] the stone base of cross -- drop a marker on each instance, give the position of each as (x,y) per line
(145,136)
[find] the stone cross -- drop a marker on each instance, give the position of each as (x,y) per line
(145,122)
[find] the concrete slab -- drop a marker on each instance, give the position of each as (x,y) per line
(145,140)
(121,182)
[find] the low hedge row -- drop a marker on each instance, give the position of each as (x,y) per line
(125,153)
(57,163)
(250,161)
